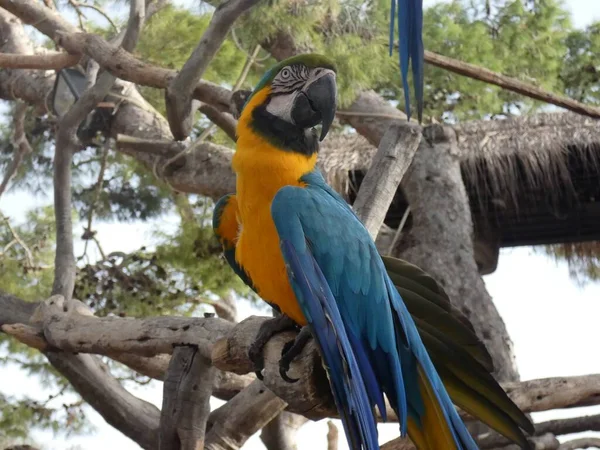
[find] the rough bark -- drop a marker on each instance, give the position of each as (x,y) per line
(441,241)
(392,160)
(281,432)
(186,400)
(234,423)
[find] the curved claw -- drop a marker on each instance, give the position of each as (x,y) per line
(290,351)
(284,362)
(267,330)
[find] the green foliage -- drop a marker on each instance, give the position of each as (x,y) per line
(129,190)
(583,259)
(27,255)
(513,39)
(581,70)
(19,416)
(183,272)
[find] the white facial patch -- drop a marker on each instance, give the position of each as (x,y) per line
(281,106)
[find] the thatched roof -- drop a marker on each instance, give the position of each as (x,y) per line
(510,166)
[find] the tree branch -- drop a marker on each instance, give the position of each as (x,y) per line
(281,432)
(510,84)
(186,400)
(396,151)
(66,145)
(125,66)
(332,436)
(587,442)
(69,326)
(178,95)
(554,427)
(91,378)
(15,314)
(223,120)
(206,170)
(234,423)
(44,61)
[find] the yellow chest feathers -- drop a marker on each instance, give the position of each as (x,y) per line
(262,169)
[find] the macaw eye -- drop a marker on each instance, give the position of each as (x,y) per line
(286,73)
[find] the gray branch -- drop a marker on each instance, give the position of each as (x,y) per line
(332,436)
(186,400)
(556,427)
(587,442)
(235,422)
(281,433)
(394,155)
(178,95)
(91,378)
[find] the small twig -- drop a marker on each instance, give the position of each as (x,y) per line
(396,150)
(20,143)
(99,10)
(246,69)
(178,95)
(80,14)
(224,120)
(190,148)
(398,232)
(368,114)
(19,240)
(44,61)
(99,247)
(96,198)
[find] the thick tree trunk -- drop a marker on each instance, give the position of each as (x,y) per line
(441,240)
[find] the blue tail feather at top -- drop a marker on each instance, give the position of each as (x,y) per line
(409,14)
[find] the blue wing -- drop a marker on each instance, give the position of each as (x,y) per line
(410,47)
(369,342)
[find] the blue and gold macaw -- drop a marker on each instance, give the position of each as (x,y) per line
(383,326)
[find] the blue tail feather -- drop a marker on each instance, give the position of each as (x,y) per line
(409,14)
(347,381)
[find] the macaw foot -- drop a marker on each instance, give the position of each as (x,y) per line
(290,351)
(267,330)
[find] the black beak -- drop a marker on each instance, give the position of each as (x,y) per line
(316,104)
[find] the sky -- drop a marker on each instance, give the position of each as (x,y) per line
(551,319)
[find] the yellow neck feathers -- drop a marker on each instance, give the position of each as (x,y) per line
(262,168)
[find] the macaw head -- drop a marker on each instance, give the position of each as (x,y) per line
(291,99)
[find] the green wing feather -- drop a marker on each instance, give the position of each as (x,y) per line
(460,358)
